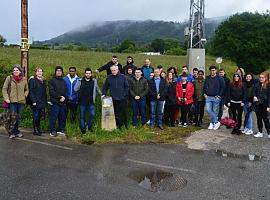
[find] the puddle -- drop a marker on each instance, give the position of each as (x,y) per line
(250,156)
(158,181)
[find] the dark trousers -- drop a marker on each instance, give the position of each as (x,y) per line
(221,107)
(120,112)
(138,108)
(262,116)
(169,113)
(17,108)
(184,111)
(36,114)
(199,111)
(58,112)
(237,111)
(72,109)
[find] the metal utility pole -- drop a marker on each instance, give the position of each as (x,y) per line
(24,37)
(196,35)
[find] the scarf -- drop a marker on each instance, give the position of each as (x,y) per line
(17,78)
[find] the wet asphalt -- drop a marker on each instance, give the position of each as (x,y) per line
(52,169)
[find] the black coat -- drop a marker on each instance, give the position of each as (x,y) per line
(263,94)
(57,88)
(107,67)
(153,91)
(171,94)
(37,93)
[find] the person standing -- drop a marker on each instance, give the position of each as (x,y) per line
(227,81)
(15,91)
(213,90)
(119,88)
(189,76)
(199,98)
(87,88)
(248,107)
(38,99)
(107,67)
(262,104)
(129,65)
(58,94)
(184,95)
(138,90)
(171,102)
(72,97)
(147,69)
(157,93)
(235,98)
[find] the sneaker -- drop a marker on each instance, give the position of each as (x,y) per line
(249,132)
(19,135)
(53,134)
(216,126)
(245,130)
(185,125)
(12,136)
(268,136)
(180,124)
(160,127)
(61,133)
(259,135)
(211,126)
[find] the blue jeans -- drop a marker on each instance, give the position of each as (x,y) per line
(138,107)
(248,116)
(91,113)
(157,108)
(58,112)
(17,108)
(212,107)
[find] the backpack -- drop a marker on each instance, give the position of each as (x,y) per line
(28,99)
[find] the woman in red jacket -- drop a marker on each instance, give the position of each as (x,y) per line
(184,94)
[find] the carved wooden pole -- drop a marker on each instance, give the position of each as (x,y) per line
(24,37)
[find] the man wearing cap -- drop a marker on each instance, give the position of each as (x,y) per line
(58,95)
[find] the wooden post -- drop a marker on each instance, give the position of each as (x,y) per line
(24,37)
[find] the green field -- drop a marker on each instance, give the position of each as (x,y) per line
(48,59)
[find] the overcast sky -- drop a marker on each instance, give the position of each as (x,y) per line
(50,18)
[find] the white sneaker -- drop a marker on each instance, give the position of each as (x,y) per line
(268,136)
(216,126)
(185,125)
(245,130)
(211,126)
(60,133)
(249,132)
(259,135)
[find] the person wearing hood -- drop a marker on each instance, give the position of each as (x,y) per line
(129,65)
(72,97)
(58,95)
(235,99)
(38,99)
(119,88)
(15,91)
(147,69)
(107,66)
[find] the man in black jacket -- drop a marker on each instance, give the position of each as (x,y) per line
(157,93)
(58,95)
(107,66)
(118,85)
(138,91)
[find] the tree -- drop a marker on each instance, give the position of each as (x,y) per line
(158,45)
(244,38)
(126,46)
(2,41)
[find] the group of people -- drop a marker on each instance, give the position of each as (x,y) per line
(154,95)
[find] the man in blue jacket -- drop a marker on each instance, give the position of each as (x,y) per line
(147,69)
(214,87)
(118,85)
(72,102)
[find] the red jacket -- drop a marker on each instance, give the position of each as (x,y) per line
(189,92)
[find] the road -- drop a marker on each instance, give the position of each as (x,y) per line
(44,168)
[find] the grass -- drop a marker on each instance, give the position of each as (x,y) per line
(48,59)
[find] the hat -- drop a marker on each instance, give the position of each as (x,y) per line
(237,74)
(57,68)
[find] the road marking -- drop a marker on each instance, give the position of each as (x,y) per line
(161,166)
(44,143)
